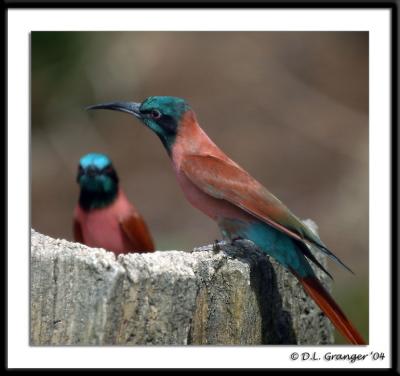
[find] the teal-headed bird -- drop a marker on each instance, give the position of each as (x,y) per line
(104,217)
(241,206)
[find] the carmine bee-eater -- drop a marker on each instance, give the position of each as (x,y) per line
(242,207)
(104,217)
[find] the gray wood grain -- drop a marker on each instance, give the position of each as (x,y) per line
(236,296)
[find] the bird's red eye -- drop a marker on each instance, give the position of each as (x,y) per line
(155,114)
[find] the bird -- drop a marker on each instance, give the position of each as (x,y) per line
(103,216)
(240,205)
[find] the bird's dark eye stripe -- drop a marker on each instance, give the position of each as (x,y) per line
(146,112)
(167,122)
(106,169)
(154,113)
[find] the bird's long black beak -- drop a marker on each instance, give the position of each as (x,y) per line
(128,107)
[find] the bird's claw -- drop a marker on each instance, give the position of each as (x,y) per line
(216,246)
(234,240)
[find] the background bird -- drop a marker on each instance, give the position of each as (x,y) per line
(104,217)
(241,206)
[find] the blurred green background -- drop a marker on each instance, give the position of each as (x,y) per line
(289,107)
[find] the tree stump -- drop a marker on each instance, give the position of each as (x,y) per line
(234,296)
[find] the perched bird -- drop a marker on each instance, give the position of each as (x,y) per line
(241,206)
(104,217)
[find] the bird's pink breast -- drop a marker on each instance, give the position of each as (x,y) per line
(101,227)
(193,140)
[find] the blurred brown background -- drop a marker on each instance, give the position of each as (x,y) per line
(290,107)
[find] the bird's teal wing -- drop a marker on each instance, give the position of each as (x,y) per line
(222,179)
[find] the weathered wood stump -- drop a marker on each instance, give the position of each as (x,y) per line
(87,296)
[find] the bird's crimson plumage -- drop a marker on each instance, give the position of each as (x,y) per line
(118,227)
(104,217)
(241,206)
(220,188)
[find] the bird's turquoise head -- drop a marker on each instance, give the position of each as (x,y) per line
(98,181)
(162,115)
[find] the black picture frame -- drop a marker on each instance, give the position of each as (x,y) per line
(392,5)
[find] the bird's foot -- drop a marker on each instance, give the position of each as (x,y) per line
(234,240)
(216,246)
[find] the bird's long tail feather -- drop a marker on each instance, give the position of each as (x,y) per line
(331,309)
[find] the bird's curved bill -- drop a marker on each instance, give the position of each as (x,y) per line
(128,107)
